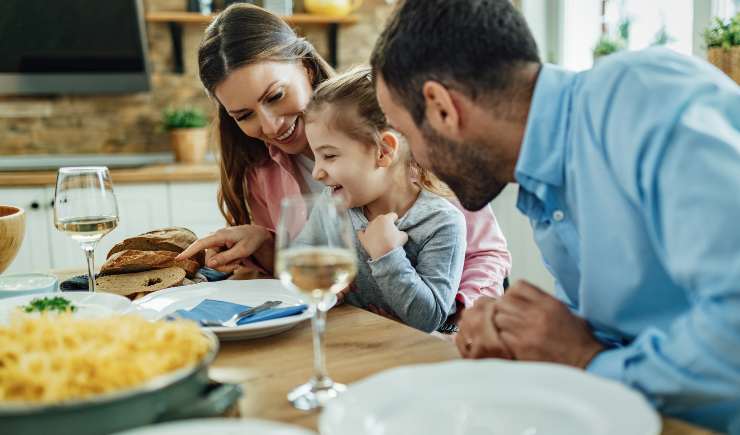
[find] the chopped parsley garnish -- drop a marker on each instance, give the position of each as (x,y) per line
(49,304)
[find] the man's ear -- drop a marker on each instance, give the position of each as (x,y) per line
(442,112)
(387,149)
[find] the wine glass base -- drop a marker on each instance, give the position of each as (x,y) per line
(314,395)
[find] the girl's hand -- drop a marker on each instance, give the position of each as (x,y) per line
(382,236)
(227,247)
(342,294)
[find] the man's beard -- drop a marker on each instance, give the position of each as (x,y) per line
(467,168)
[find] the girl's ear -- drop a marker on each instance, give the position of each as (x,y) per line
(387,150)
(309,71)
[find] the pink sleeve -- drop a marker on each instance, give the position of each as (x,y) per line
(258,207)
(487,260)
(260,214)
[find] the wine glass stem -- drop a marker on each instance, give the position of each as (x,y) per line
(90,255)
(318,323)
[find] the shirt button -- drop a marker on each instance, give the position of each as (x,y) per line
(558,215)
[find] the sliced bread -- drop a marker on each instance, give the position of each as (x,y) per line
(127,284)
(131,260)
(174,239)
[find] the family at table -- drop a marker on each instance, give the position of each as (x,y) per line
(629,174)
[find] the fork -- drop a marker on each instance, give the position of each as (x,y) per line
(232,322)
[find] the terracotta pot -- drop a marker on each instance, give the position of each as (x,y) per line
(726,60)
(189,144)
(12,230)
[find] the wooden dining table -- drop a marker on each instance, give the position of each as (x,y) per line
(358,344)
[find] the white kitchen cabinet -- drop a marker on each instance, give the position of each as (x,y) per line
(34,255)
(141,208)
(193,206)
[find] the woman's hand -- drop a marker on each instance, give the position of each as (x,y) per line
(382,236)
(227,247)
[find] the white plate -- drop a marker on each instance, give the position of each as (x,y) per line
(488,397)
(220,426)
(249,292)
(21,284)
(89,305)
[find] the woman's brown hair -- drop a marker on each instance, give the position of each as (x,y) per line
(241,35)
(356,113)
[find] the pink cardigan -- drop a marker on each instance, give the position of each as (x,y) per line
(487,261)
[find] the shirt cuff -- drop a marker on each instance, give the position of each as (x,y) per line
(609,363)
(389,260)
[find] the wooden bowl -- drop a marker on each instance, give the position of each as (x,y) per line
(12,230)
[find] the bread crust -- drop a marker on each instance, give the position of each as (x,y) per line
(132,260)
(173,239)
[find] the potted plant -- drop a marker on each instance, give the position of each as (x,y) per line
(188,133)
(607,45)
(723,45)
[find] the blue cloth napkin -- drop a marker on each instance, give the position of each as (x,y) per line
(221,311)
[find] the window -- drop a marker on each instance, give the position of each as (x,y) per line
(633,24)
(725,8)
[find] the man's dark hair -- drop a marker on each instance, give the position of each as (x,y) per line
(473,46)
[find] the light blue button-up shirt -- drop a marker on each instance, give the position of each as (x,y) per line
(630,176)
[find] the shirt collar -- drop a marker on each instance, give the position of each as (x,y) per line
(283,159)
(542,154)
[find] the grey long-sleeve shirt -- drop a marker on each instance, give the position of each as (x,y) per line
(416,282)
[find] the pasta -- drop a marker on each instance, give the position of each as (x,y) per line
(51,358)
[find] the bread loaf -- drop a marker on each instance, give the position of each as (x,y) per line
(131,260)
(174,239)
(141,282)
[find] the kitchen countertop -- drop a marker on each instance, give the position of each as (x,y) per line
(145,174)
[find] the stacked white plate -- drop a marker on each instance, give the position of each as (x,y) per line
(250,292)
(221,426)
(488,397)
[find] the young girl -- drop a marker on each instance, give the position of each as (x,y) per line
(410,240)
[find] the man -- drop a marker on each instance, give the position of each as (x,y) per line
(630,177)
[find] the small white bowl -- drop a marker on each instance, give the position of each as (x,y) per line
(27,284)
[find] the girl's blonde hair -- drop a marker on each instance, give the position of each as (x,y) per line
(356,113)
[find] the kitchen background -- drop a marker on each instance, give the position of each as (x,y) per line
(126,129)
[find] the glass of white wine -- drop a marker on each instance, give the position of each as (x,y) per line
(85,208)
(316,256)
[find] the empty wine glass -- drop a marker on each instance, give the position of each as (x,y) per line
(316,256)
(85,208)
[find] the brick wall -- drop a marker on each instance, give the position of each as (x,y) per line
(130,123)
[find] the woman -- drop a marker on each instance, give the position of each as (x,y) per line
(262,77)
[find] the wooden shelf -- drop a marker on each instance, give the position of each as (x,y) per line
(146,174)
(176,20)
(196,18)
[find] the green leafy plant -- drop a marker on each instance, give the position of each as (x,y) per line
(662,37)
(723,33)
(608,45)
(183,118)
(624,28)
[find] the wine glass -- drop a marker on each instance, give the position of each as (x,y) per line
(85,208)
(316,256)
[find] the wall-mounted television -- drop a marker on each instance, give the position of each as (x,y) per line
(72,47)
